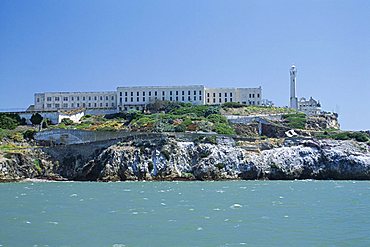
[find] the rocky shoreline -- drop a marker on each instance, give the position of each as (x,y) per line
(172,159)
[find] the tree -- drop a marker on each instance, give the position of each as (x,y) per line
(36,118)
(9,120)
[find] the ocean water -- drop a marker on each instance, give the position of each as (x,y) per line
(230,213)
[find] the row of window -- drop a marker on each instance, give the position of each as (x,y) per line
(219,100)
(220,94)
(77,105)
(252,95)
(77,98)
(156,93)
(189,98)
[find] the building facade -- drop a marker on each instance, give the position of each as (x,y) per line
(126,98)
(310,107)
(75,100)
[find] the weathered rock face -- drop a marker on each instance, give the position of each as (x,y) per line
(187,160)
(170,159)
(323,122)
(19,166)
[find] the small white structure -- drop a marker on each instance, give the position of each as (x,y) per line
(266,102)
(293,97)
(310,107)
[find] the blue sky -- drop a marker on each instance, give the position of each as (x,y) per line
(56,45)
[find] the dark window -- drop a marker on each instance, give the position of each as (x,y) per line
(170,92)
(163,98)
(150,93)
(95,98)
(188,92)
(195,92)
(189,98)
(183,99)
(163,93)
(207,94)
(225,99)
(137,93)
(183,92)
(101,97)
(125,99)
(132,99)
(143,93)
(219,100)
(200,97)
(137,99)
(219,94)
(214,100)
(89,98)
(177,92)
(208,100)
(214,94)
(132,93)
(200,92)
(177,98)
(231,99)
(258,95)
(143,98)
(125,93)
(195,98)
(225,94)
(120,93)
(231,94)
(171,98)
(155,93)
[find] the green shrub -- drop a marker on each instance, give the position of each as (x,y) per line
(232,105)
(29,134)
(180,128)
(217,118)
(10,120)
(225,129)
(66,121)
(220,166)
(7,122)
(198,110)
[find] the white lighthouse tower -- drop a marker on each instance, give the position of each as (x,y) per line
(293,97)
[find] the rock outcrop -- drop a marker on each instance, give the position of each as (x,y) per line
(171,159)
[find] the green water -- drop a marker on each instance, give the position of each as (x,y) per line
(236,213)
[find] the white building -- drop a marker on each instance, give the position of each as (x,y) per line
(310,107)
(126,98)
(75,100)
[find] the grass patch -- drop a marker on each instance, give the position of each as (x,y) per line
(295,120)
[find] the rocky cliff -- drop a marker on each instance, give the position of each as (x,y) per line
(173,159)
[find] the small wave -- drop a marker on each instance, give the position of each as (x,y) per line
(235,206)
